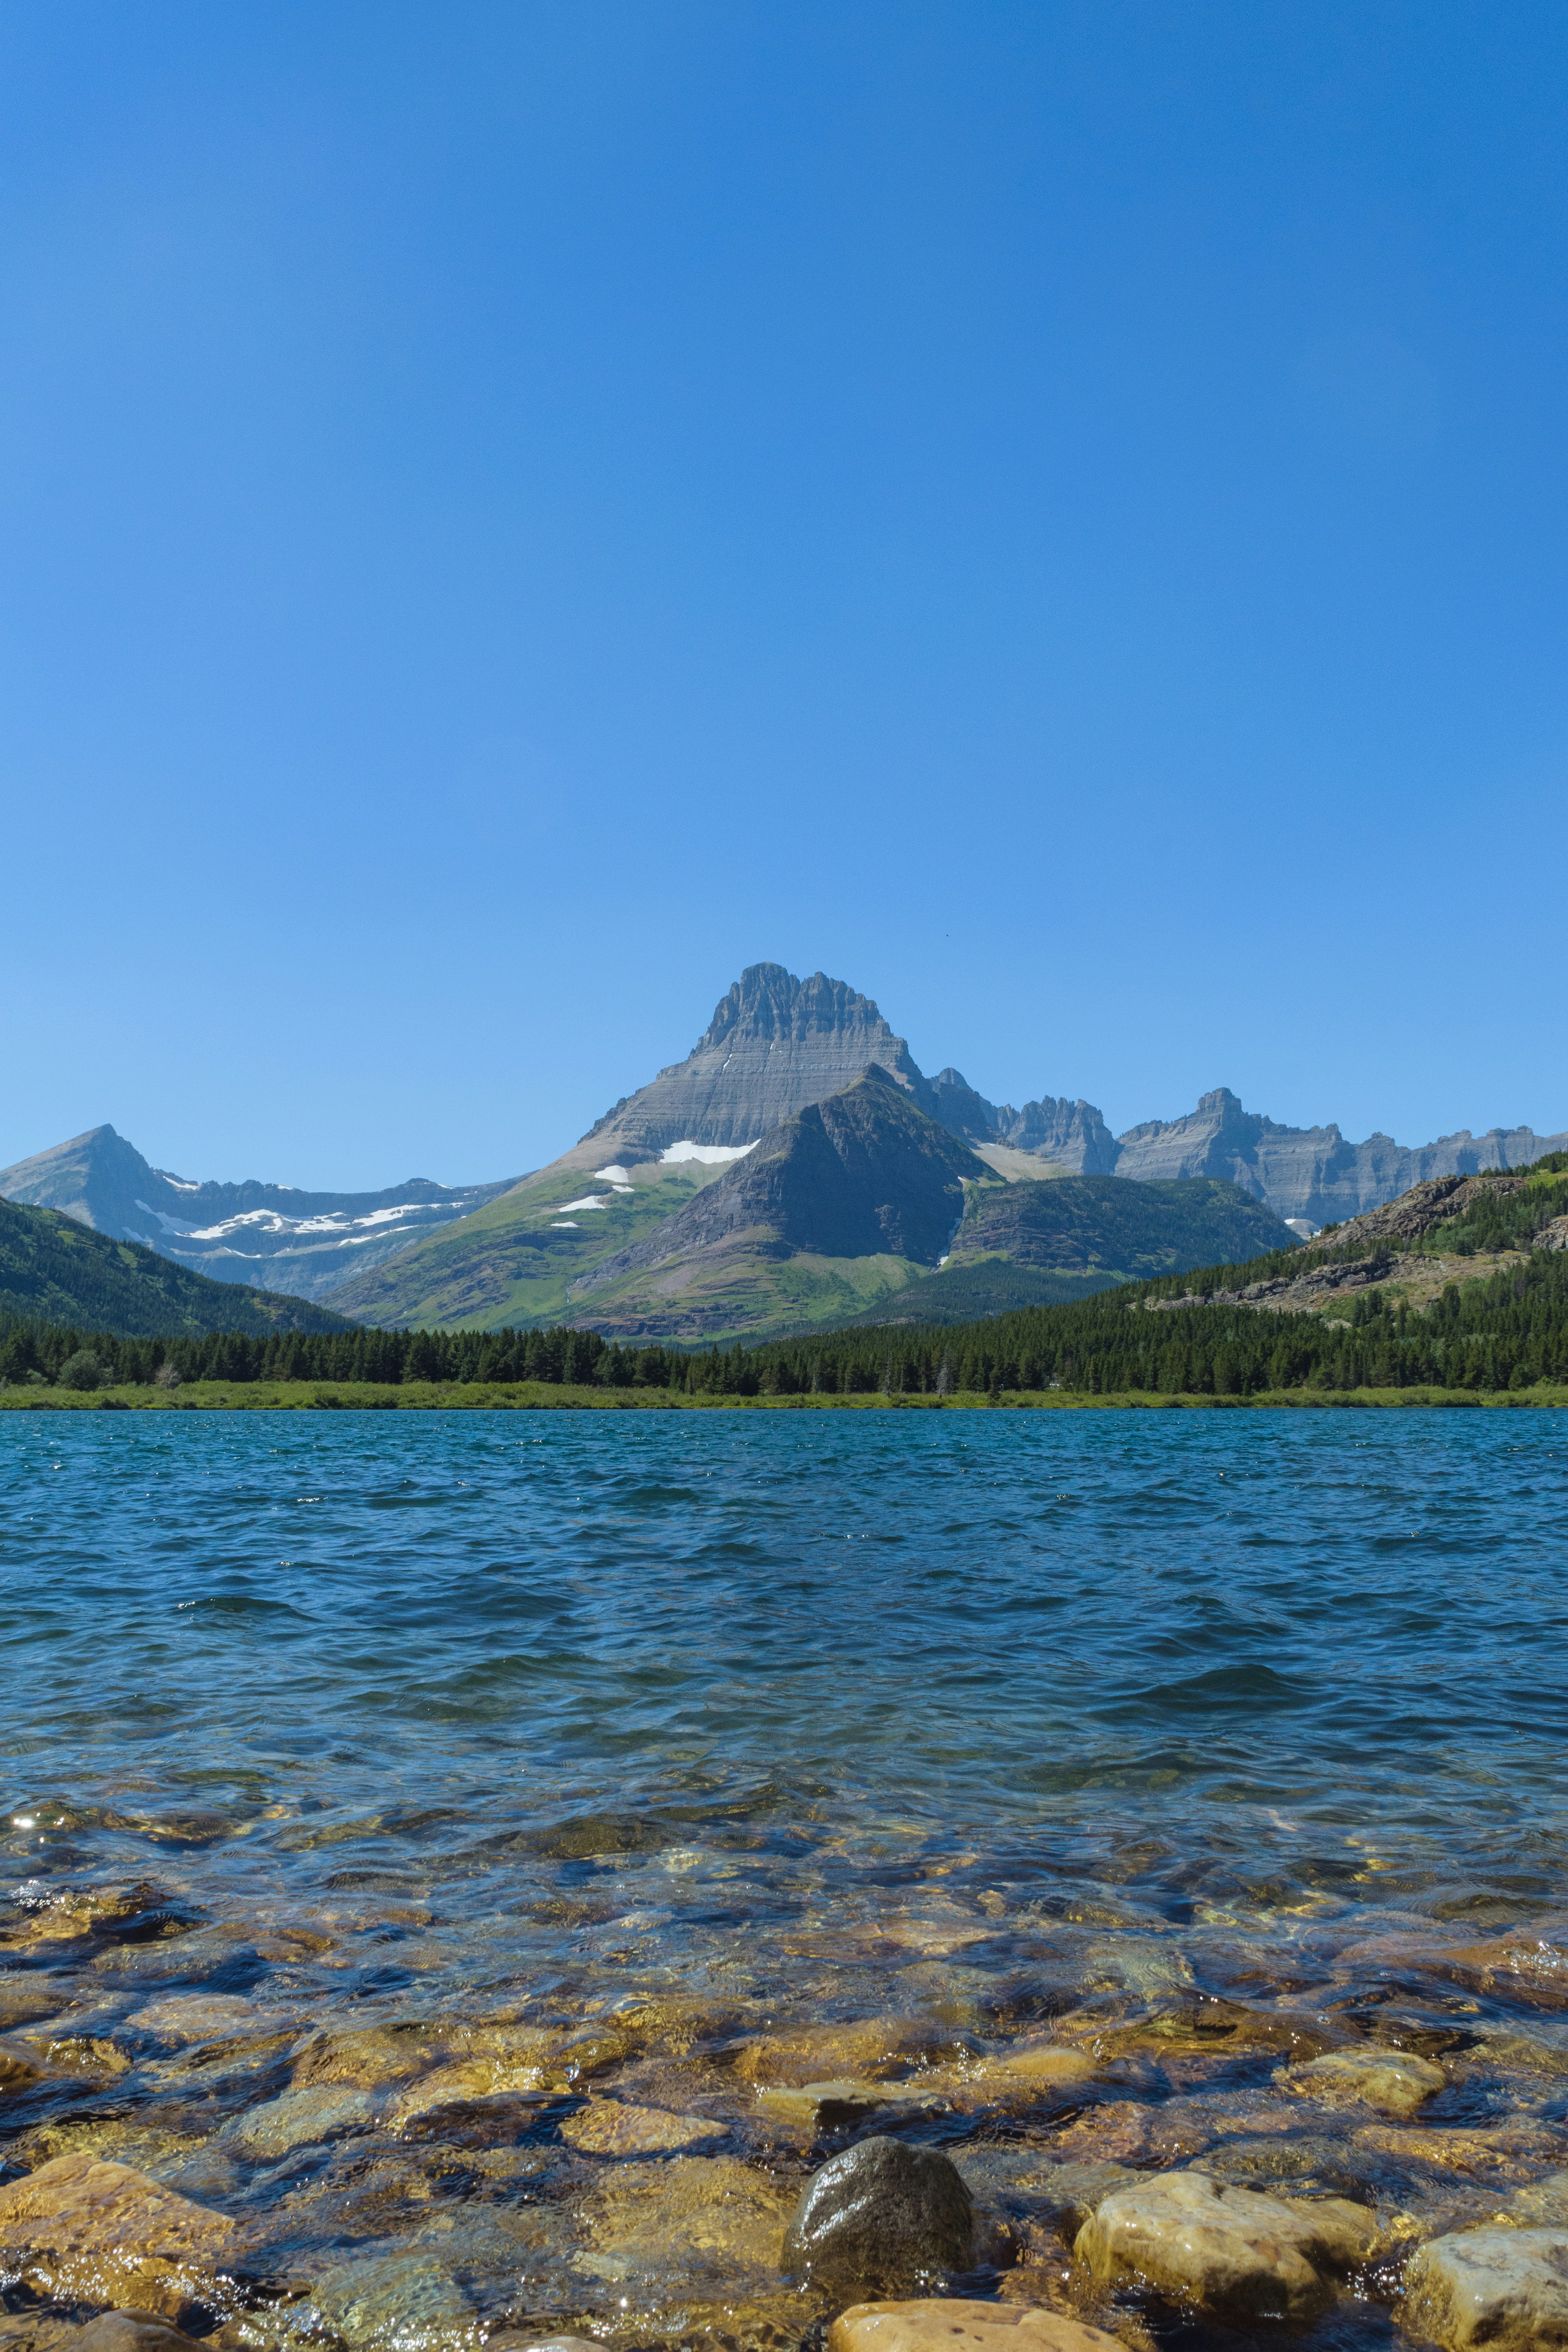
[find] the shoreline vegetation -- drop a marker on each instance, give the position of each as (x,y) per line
(541,1396)
(1457,1294)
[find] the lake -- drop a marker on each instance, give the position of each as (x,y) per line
(399,1803)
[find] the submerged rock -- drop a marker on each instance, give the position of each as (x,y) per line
(1529,1961)
(688,2230)
(615,2127)
(1505,2153)
(830,2106)
(511,2339)
(20,2067)
(369,2057)
(300,2118)
(82,2230)
(820,2053)
(1391,2080)
(22,2002)
(950,2325)
(881,2218)
(1505,2289)
(1230,2252)
(406,2302)
(132,2331)
(1205,2025)
(1021,2072)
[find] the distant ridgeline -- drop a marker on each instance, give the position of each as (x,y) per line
(1339,1315)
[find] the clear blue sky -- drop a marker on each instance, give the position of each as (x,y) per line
(1055,514)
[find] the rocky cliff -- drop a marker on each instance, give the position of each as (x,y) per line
(1311,1171)
(1089,1223)
(774,1045)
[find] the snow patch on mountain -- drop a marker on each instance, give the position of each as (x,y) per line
(711,1155)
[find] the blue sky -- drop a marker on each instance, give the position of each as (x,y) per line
(1055,515)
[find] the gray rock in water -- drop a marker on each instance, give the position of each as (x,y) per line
(882,2218)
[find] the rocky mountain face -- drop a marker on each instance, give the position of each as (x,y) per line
(306,1244)
(1072,1135)
(1311,1171)
(1024,1244)
(862,1174)
(868,1193)
(774,1045)
(1131,1230)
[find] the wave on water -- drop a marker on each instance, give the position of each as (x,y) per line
(450,1849)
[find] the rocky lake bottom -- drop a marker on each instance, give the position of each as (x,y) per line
(462,1884)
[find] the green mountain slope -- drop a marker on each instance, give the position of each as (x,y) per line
(53,1270)
(844,1203)
(516,1261)
(1047,1244)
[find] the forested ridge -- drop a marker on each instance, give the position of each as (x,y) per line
(56,1270)
(1170,1336)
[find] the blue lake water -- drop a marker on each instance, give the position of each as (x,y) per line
(995,1720)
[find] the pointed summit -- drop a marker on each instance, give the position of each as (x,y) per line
(774,1045)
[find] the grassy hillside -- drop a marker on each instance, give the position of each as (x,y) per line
(54,1270)
(515,1262)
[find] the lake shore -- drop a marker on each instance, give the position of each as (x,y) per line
(540,1396)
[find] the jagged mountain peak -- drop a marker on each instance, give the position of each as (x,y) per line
(769,1001)
(775,1044)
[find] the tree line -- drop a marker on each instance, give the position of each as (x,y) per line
(1167,1337)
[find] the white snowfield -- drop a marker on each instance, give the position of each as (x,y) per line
(621,1177)
(588,1201)
(267,1221)
(711,1155)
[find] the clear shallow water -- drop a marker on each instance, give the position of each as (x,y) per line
(1010,1725)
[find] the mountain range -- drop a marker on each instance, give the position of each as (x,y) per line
(304,1242)
(796,1167)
